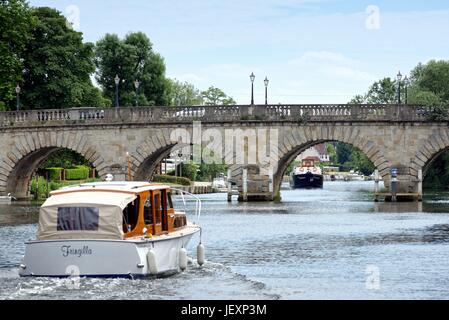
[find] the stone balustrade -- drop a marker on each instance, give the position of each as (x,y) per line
(233,113)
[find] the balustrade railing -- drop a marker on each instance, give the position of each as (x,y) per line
(300,113)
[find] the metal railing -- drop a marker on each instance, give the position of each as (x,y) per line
(190,196)
(290,112)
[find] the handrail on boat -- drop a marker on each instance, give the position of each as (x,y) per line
(197,203)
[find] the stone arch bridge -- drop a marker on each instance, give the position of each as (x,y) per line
(257,141)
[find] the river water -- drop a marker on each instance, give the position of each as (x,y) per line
(334,243)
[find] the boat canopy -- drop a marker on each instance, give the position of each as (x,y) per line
(83,215)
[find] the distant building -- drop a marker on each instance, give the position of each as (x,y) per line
(318,151)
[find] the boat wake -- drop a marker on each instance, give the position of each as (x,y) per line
(208,282)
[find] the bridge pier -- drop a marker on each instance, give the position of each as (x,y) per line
(257,184)
(408,188)
(254,184)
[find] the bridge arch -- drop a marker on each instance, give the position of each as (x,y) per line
(150,152)
(32,150)
(429,150)
(301,139)
(144,170)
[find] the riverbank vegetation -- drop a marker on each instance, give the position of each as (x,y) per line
(40,187)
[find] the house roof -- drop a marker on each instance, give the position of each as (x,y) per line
(321,149)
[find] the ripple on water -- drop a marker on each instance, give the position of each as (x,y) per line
(316,244)
(211,281)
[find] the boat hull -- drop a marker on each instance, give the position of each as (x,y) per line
(306,181)
(104,258)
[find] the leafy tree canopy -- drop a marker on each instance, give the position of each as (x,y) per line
(57,65)
(382,91)
(184,94)
(132,59)
(216,96)
(16,23)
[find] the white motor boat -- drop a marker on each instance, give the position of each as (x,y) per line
(111,229)
(354,176)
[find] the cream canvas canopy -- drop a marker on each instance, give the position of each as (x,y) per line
(83,215)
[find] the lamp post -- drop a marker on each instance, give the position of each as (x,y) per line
(399,77)
(18,89)
(252,77)
(137,85)
(117,81)
(266,82)
(406,84)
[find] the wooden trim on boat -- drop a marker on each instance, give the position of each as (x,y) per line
(163,218)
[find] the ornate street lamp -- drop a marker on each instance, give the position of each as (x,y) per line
(137,85)
(252,77)
(18,89)
(266,82)
(406,84)
(117,82)
(399,77)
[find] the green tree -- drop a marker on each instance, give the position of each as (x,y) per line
(343,152)
(432,78)
(362,163)
(16,23)
(131,59)
(57,65)
(215,96)
(331,152)
(349,157)
(65,158)
(207,172)
(189,170)
(184,94)
(382,91)
(421,97)
(437,176)
(358,99)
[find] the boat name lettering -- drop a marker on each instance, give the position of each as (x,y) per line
(68,250)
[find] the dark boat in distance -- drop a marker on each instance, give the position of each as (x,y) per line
(306,176)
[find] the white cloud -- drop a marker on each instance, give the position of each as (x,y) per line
(314,77)
(188,77)
(309,53)
(320,56)
(342,72)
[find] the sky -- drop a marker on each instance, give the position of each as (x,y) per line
(312,51)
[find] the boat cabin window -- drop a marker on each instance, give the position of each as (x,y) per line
(169,201)
(131,215)
(148,212)
(78,219)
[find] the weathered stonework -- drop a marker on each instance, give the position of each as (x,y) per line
(104,138)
